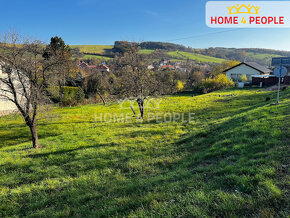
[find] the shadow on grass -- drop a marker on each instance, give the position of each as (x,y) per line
(20,135)
(221,174)
(66,151)
(227,169)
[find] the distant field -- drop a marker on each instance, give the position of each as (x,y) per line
(192,56)
(93,49)
(96,57)
(146,51)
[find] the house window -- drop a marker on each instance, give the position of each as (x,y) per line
(234,77)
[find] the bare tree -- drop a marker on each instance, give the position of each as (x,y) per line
(26,76)
(171,78)
(134,79)
(98,83)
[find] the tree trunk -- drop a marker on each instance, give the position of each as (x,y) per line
(133,110)
(61,93)
(141,106)
(103,100)
(33,130)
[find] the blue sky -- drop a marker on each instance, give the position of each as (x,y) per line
(102,22)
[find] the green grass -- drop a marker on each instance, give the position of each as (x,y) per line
(193,56)
(230,161)
(96,57)
(146,51)
(93,49)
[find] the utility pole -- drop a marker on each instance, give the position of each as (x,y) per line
(279,82)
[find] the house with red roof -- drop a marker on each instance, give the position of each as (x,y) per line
(167,67)
(101,67)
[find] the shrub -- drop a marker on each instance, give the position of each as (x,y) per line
(180,85)
(243,78)
(71,96)
(211,84)
(80,95)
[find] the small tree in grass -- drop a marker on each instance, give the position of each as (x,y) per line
(98,83)
(26,76)
(134,78)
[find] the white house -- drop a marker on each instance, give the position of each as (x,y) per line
(249,69)
(5,105)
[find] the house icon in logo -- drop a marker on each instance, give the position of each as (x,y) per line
(243,9)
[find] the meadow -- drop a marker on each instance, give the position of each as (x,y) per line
(194,56)
(93,49)
(97,57)
(230,160)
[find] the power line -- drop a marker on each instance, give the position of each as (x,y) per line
(200,35)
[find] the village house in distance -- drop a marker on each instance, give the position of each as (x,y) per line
(255,73)
(101,67)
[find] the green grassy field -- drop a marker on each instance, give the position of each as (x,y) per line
(229,161)
(93,49)
(96,57)
(196,57)
(146,51)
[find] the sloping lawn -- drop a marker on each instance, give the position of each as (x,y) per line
(146,51)
(93,49)
(96,57)
(231,160)
(196,57)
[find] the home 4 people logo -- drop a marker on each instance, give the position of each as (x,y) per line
(239,11)
(231,14)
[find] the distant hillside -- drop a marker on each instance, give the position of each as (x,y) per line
(93,49)
(261,56)
(195,57)
(182,53)
(105,52)
(163,45)
(102,52)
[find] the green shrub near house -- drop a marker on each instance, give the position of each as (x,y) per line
(212,84)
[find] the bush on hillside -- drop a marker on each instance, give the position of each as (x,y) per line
(212,84)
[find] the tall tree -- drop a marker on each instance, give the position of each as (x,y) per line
(58,51)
